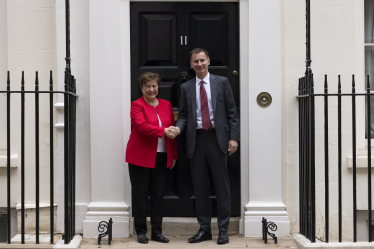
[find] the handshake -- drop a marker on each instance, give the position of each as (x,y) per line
(172,132)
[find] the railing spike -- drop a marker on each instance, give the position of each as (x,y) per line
(325,81)
(353,81)
(8,78)
(23,78)
(50,78)
(36,78)
(339,83)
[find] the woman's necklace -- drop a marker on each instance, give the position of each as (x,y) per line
(154,103)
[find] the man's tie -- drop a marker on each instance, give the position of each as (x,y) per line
(204,108)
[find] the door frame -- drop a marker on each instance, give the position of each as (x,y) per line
(243,87)
(261,69)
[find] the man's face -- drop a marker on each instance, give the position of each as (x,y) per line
(200,63)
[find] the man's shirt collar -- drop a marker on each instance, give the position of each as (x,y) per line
(206,79)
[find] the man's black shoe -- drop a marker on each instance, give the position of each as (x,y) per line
(223,238)
(159,238)
(142,238)
(200,236)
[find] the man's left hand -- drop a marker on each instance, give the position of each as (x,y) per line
(233,146)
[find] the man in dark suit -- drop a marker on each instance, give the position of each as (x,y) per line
(209,116)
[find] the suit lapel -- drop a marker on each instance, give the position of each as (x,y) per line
(193,97)
(213,91)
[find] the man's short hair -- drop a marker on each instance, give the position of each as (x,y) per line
(149,76)
(197,51)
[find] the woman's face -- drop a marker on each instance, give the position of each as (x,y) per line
(150,90)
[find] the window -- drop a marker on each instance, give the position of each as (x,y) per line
(369,58)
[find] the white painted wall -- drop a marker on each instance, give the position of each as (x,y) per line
(80,69)
(79,33)
(3,69)
(27,44)
(294,33)
(30,39)
(337,48)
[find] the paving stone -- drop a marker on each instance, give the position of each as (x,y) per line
(180,242)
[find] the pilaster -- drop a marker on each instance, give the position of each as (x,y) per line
(272,211)
(265,125)
(107,126)
(103,211)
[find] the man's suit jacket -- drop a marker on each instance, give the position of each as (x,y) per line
(226,119)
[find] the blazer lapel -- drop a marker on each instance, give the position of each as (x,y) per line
(193,97)
(213,91)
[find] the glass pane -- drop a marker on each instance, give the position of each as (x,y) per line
(371,118)
(369,21)
(369,70)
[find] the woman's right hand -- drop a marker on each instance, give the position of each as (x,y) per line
(170,132)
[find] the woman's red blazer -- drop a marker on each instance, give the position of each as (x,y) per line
(145,130)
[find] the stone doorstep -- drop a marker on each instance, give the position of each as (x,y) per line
(303,242)
(44,240)
(180,242)
(177,226)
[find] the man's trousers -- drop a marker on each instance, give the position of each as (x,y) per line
(208,155)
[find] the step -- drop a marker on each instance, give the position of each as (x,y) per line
(177,226)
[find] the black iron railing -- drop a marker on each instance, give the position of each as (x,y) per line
(307,200)
(69,154)
(307,157)
(69,147)
(69,137)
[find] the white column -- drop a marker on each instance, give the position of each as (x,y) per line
(108,105)
(265,150)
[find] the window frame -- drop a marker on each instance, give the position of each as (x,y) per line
(360,78)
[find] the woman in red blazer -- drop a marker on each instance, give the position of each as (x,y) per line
(150,152)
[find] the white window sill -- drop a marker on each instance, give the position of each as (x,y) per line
(13,161)
(33,206)
(361,162)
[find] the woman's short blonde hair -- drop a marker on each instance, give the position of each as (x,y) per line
(149,76)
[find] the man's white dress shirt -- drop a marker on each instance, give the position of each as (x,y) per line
(198,102)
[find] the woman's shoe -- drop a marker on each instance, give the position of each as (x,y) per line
(159,238)
(142,238)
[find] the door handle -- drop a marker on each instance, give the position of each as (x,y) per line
(181,39)
(185,40)
(184,77)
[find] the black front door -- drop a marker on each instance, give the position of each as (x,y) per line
(162,34)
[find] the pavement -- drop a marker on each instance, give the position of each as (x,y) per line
(177,242)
